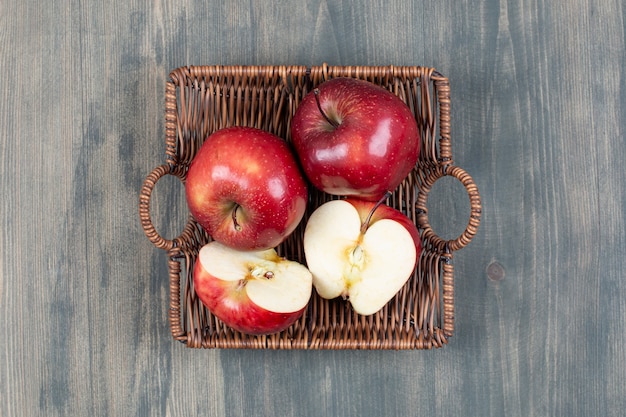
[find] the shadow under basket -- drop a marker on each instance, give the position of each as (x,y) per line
(202,99)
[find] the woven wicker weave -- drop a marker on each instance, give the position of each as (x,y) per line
(202,99)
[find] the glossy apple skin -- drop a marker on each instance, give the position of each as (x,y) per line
(254,172)
(229,302)
(383,211)
(374,147)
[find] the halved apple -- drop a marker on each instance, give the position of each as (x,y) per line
(360,250)
(254,292)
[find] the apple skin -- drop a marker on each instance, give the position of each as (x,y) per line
(229,299)
(364,261)
(250,174)
(373,148)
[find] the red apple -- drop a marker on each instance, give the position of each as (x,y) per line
(246,189)
(355,138)
(360,250)
(254,292)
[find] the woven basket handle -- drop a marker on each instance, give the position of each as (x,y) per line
(144,206)
(448,246)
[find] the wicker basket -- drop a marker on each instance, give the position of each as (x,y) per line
(202,99)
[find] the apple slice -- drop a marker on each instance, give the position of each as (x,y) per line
(360,250)
(254,292)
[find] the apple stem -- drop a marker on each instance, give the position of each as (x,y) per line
(366,223)
(333,123)
(235,223)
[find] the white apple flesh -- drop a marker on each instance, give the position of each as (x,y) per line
(254,292)
(364,258)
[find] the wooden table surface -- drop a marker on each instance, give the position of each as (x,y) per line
(538,120)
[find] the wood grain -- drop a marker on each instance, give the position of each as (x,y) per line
(538,92)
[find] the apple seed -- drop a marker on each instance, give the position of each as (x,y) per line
(357,257)
(260,272)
